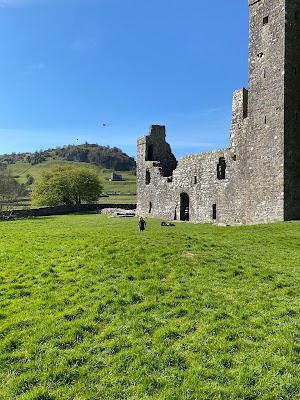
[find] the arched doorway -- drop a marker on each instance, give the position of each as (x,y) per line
(184,207)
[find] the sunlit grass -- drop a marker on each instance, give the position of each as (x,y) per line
(92,309)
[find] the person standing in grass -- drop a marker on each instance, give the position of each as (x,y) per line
(142,224)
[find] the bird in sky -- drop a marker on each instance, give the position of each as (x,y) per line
(104,124)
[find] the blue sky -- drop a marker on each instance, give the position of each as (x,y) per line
(69,66)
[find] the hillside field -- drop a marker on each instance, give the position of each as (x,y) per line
(119,192)
(92,309)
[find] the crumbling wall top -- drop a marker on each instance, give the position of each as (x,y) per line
(157,130)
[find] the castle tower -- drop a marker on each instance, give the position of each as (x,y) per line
(273,129)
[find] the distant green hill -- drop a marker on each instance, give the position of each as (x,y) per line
(102,156)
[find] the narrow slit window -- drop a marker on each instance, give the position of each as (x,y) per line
(214,211)
(265,120)
(195,179)
(265,20)
(148,177)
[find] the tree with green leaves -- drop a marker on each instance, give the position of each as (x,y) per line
(63,184)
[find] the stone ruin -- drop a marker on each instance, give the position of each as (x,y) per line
(256,179)
(116,177)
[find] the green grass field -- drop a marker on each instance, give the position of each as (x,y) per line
(92,309)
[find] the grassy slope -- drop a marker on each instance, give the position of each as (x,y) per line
(21,169)
(92,309)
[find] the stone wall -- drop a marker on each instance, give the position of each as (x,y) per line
(61,210)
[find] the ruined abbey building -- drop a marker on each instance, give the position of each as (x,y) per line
(256,179)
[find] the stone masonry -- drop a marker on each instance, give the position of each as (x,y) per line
(256,179)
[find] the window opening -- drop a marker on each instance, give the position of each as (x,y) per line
(148,177)
(265,119)
(195,179)
(221,166)
(265,20)
(214,211)
(260,54)
(150,207)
